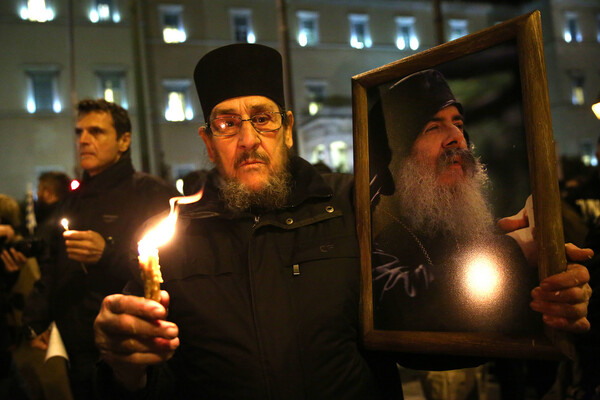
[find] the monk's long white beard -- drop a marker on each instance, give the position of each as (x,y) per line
(430,208)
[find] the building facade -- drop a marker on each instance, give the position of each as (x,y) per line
(142,55)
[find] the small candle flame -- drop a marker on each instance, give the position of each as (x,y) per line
(165,229)
(65,223)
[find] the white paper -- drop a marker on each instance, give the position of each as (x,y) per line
(56,347)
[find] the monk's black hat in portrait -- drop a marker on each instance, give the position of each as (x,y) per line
(240,69)
(410,103)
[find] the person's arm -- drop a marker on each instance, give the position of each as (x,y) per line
(131,333)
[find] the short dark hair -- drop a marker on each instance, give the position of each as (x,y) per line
(119,115)
(58,182)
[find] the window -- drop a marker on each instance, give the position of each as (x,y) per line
(360,37)
(405,33)
(598,28)
(178,103)
(587,150)
(42,91)
(104,11)
(308,28)
(36,10)
(111,87)
(339,156)
(172,23)
(577,97)
(241,24)
(315,90)
(571,31)
(458,28)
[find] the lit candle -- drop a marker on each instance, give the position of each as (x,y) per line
(65,224)
(149,244)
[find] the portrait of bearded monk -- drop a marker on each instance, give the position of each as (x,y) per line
(439,263)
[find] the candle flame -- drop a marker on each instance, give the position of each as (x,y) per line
(165,229)
(65,223)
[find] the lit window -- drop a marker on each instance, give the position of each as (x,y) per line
(572,31)
(405,33)
(577,97)
(42,91)
(308,28)
(36,10)
(598,28)
(316,95)
(178,103)
(360,37)
(241,25)
(458,28)
(171,18)
(587,150)
(339,156)
(111,87)
(103,11)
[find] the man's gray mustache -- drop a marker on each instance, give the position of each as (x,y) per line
(252,155)
(467,157)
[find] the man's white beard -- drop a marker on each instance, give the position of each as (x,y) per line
(431,208)
(274,195)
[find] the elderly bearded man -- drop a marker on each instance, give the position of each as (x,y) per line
(437,231)
(261,285)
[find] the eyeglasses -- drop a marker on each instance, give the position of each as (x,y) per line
(230,125)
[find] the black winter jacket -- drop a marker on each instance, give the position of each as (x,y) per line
(267,304)
(114,203)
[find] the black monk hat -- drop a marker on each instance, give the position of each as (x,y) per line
(240,69)
(410,103)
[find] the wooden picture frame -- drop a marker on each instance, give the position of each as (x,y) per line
(523,34)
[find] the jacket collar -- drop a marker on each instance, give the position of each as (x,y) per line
(108,178)
(306,184)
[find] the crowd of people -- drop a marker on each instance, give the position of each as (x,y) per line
(261,280)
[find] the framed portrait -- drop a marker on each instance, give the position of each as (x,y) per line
(447,142)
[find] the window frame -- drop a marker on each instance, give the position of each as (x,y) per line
(245,13)
(173,10)
(181,86)
(355,20)
(312,38)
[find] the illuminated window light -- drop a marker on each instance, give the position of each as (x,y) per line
(116,17)
(400,43)
(577,97)
(414,43)
(36,11)
(354,42)
(56,106)
(175,107)
(251,37)
(104,11)
(596,109)
(313,108)
(109,95)
(31,105)
(173,35)
(189,113)
(302,39)
(94,17)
